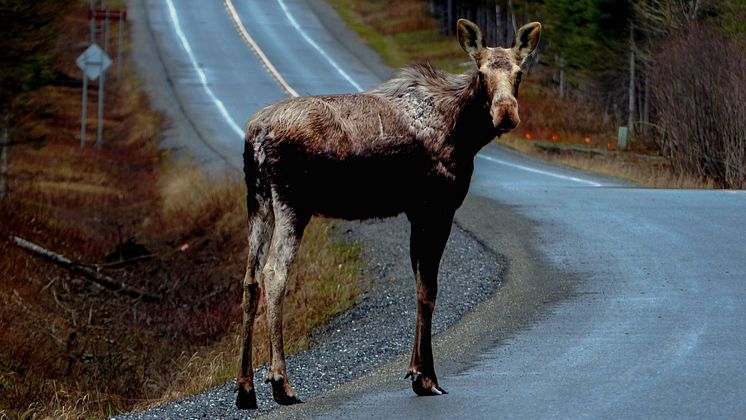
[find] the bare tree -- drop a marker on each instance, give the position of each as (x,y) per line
(700,97)
(631,103)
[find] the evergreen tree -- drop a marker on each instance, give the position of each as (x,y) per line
(27,31)
(590,36)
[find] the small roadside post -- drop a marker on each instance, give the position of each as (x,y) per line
(94,62)
(621,141)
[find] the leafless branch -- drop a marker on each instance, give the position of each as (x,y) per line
(89,273)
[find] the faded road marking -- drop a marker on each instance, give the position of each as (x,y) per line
(539,171)
(201,73)
(316,46)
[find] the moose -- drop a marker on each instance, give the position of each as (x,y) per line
(407,146)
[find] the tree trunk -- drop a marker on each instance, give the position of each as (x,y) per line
(499,25)
(631,109)
(449,20)
(646,103)
(511,26)
(3,154)
(562,77)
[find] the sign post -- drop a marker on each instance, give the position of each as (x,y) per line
(94,62)
(106,15)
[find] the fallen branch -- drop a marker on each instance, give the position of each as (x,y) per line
(91,274)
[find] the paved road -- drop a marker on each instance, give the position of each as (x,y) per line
(621,301)
(655,327)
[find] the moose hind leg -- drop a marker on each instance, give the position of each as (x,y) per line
(261,224)
(289,226)
(428,239)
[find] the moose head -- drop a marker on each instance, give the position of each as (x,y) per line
(499,69)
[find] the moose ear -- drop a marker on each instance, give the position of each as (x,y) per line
(470,38)
(526,40)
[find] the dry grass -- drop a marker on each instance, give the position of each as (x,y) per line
(401,32)
(323,282)
(71,349)
(643,169)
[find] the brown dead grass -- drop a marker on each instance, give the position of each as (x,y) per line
(73,350)
(643,169)
(323,282)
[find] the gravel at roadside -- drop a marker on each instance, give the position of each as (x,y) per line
(378,328)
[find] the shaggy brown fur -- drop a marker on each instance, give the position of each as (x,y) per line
(407,146)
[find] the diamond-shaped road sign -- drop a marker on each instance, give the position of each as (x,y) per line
(93,61)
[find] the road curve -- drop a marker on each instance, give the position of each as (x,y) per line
(621,301)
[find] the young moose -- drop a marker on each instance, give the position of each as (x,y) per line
(407,146)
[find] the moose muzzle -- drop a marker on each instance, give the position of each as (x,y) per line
(504,111)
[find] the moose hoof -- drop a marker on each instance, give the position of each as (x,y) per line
(280,393)
(246,399)
(424,387)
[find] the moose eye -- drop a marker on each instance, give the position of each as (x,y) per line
(517,83)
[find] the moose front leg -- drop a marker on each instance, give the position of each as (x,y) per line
(428,239)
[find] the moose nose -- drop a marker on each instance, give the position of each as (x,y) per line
(506,123)
(505,114)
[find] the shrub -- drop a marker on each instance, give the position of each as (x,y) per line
(699,89)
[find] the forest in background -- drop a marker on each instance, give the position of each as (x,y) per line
(672,71)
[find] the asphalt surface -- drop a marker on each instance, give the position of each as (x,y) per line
(618,301)
(653,327)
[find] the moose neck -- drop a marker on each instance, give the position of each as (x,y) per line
(455,107)
(470,124)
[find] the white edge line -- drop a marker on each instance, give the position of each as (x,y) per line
(254,46)
(202,76)
(539,171)
(316,46)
